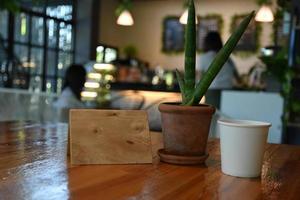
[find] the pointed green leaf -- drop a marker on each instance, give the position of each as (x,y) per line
(220,60)
(181,85)
(190,50)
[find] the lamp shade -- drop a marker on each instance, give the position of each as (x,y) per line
(184,17)
(125,19)
(264,14)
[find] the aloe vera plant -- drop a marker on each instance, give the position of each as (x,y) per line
(191,92)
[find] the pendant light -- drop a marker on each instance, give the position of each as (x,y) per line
(123,13)
(125,19)
(184,17)
(264,14)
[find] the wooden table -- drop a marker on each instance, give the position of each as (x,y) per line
(34,165)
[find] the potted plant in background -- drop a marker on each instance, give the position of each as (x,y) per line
(185,125)
(278,67)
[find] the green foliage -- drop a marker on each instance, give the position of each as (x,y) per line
(10,5)
(278,67)
(130,51)
(277,22)
(296,106)
(124,5)
(298,60)
(284,4)
(191,92)
(263,2)
(14,5)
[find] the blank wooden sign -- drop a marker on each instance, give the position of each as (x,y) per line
(109,137)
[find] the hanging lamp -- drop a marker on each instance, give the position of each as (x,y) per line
(124,17)
(184,17)
(264,13)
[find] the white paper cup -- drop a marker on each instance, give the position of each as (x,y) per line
(242,146)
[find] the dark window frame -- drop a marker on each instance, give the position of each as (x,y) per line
(11,45)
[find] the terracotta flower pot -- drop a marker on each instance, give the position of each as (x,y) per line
(185,132)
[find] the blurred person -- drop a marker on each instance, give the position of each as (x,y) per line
(123,66)
(212,45)
(70,97)
(135,75)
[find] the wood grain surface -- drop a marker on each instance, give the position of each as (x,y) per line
(34,165)
(109,137)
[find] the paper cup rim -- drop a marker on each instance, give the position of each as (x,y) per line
(243,123)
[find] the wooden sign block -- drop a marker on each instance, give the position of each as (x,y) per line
(109,137)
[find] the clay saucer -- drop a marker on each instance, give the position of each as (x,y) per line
(180,159)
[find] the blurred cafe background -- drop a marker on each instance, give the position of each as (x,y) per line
(129,50)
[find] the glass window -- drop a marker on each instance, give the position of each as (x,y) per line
(3,58)
(64,61)
(52,33)
(65,36)
(60,11)
(35,83)
(5,44)
(110,55)
(3,54)
(36,60)
(100,54)
(4,24)
(43,42)
(21,52)
(50,85)
(34,5)
(3,79)
(21,27)
(59,85)
(37,30)
(51,64)
(19,81)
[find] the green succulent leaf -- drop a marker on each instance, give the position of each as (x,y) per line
(181,84)
(219,60)
(190,52)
